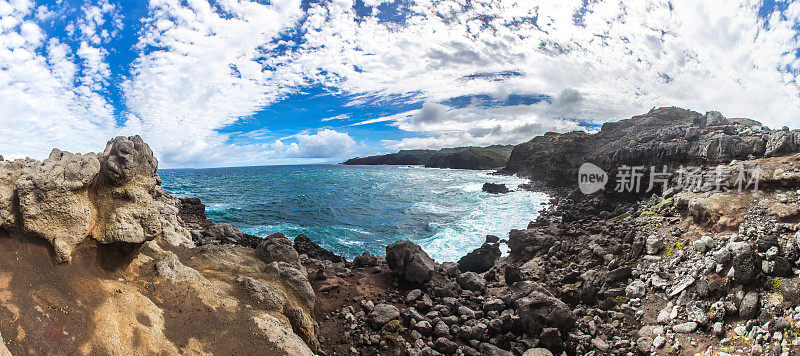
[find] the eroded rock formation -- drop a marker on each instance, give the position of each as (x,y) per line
(67,198)
(97,258)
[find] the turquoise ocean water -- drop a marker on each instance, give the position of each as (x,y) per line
(352,209)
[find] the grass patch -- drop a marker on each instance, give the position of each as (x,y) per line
(652,210)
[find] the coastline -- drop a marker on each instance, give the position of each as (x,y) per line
(93,243)
(350,210)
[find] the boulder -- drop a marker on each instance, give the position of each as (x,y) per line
(365,260)
(278,248)
(126,159)
(170,268)
(538,308)
(654,244)
(445,346)
(193,214)
(685,328)
(304,245)
(296,279)
(125,193)
(495,188)
(539,351)
(746,267)
(69,197)
(481,259)
(524,244)
(267,297)
(471,281)
(749,307)
(382,314)
(174,232)
(221,233)
(488,349)
(409,262)
(636,289)
(54,200)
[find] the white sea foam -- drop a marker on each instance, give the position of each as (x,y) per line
(352,210)
(496,216)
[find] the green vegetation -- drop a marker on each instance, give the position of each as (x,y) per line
(651,211)
(625,215)
(775,284)
(669,250)
(491,157)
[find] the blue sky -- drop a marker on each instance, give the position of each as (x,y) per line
(224,83)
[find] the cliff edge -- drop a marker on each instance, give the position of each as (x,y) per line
(668,136)
(491,157)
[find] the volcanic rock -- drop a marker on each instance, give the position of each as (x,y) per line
(409,262)
(495,188)
(304,245)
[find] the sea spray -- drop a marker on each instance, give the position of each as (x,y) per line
(352,209)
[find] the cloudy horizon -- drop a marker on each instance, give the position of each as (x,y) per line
(229,83)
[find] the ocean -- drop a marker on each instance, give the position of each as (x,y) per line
(353,209)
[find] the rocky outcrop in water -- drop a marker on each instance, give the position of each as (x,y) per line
(140,272)
(495,188)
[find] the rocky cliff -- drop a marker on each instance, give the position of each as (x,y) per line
(666,136)
(491,157)
(681,271)
(97,259)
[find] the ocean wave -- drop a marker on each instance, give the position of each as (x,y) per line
(512,211)
(354,229)
(218,207)
(352,210)
(430,208)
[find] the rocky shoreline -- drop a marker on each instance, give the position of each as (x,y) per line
(676,272)
(97,258)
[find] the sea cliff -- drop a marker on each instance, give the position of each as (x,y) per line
(97,258)
(491,157)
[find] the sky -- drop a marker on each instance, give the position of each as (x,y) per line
(231,83)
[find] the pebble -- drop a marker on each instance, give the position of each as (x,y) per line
(685,328)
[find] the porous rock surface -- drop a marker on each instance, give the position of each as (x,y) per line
(97,258)
(109,197)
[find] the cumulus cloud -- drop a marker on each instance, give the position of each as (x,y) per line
(201,67)
(324,144)
(431,113)
(476,126)
(601,61)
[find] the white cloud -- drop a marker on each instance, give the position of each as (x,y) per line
(207,75)
(441,126)
(337,117)
(324,144)
(618,60)
(41,106)
(202,68)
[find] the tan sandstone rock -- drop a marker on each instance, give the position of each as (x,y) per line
(54,200)
(112,197)
(137,284)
